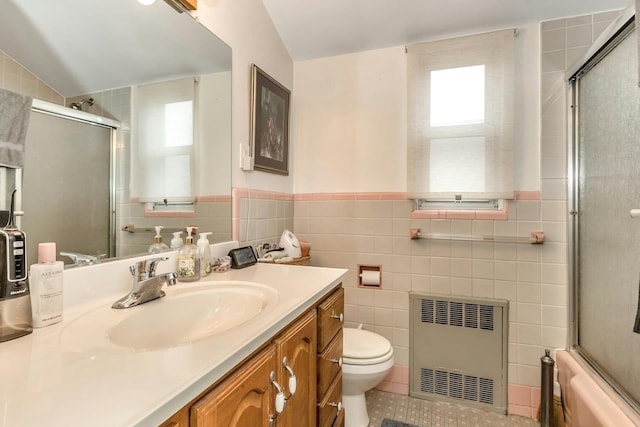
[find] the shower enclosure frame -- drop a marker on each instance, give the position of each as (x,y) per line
(95,120)
(608,41)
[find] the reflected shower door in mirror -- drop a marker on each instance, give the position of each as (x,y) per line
(67,190)
(153,44)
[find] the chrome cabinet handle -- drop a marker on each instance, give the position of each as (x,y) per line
(336,405)
(336,361)
(280,400)
(339,317)
(292,378)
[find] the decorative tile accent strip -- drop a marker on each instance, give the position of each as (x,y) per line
(350,196)
(523,400)
(396,381)
(221,198)
(171,214)
(527,195)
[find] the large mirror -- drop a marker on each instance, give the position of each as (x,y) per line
(97,57)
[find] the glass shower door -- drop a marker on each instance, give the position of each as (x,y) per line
(607,259)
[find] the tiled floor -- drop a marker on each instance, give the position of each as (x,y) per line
(425,413)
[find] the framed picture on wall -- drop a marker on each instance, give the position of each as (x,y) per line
(269,123)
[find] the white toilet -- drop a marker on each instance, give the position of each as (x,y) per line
(367,359)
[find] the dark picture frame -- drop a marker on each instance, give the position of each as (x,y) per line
(269,123)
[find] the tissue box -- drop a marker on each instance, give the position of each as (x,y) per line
(305,247)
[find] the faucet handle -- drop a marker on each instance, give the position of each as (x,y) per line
(146,268)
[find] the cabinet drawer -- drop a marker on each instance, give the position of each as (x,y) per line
(330,318)
(331,406)
(328,365)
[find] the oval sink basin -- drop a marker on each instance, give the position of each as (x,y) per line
(183,316)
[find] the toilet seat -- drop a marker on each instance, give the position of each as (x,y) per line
(362,347)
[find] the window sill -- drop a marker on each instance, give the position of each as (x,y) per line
(460,214)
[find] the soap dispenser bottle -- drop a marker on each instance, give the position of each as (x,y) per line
(188,262)
(46,286)
(158,245)
(176,242)
(204,254)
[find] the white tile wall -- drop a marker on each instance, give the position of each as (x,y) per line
(533,278)
(515,272)
(16,78)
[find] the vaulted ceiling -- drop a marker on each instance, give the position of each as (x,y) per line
(319,28)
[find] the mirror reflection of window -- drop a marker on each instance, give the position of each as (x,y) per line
(178,124)
(164,141)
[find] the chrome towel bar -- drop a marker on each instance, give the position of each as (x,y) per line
(536,237)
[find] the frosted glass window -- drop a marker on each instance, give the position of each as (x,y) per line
(451,156)
(178,124)
(460,104)
(163,141)
(457,96)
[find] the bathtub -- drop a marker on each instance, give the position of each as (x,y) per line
(588,400)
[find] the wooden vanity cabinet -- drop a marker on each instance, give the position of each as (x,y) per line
(329,360)
(246,397)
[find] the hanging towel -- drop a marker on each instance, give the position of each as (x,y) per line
(15,110)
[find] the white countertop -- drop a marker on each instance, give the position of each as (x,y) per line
(46,382)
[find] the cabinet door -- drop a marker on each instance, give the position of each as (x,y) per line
(243,400)
(298,345)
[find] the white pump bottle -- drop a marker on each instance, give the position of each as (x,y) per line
(176,242)
(204,254)
(158,245)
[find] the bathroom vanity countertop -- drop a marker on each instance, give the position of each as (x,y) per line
(46,382)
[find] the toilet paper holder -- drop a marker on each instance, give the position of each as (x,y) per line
(369,276)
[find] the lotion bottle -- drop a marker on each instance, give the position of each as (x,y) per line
(176,242)
(204,254)
(46,287)
(158,245)
(188,262)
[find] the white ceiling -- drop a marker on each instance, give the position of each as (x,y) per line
(320,28)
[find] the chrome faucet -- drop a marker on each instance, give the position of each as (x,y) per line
(146,285)
(82,259)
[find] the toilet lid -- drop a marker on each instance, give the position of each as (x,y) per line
(361,344)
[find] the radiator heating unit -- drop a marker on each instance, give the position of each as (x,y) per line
(458,350)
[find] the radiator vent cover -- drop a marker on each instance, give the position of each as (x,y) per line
(458,350)
(455,313)
(456,385)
